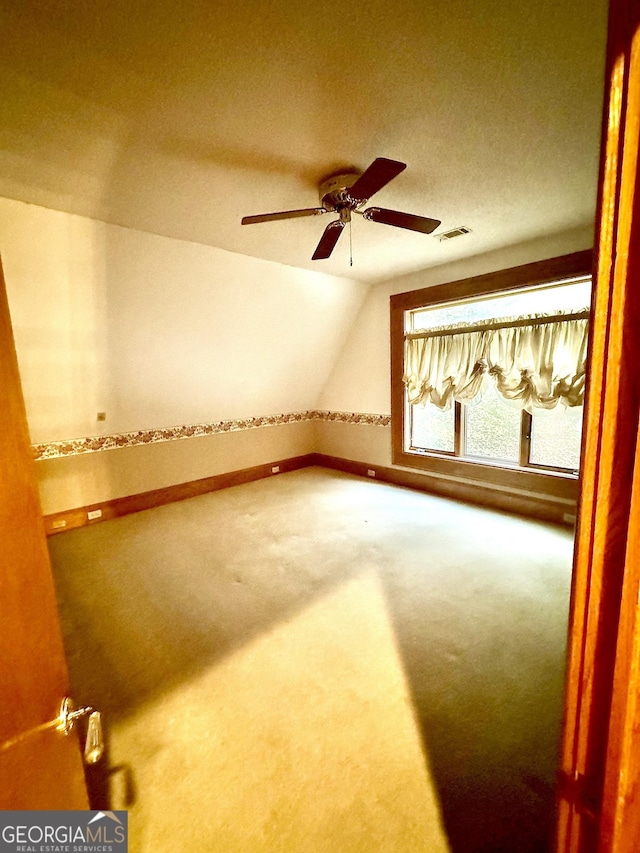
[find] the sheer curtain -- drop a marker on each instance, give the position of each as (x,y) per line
(538,364)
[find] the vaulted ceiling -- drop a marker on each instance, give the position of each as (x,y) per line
(179,118)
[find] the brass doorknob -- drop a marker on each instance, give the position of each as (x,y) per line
(94,743)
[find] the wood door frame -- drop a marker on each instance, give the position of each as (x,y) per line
(599,790)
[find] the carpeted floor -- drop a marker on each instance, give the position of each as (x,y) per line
(317,662)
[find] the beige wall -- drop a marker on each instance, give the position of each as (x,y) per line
(57,287)
(358,442)
(69,482)
(158,332)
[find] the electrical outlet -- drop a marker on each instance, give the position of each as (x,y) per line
(93,514)
(371,472)
(275,469)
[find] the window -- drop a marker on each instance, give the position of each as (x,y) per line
(492,428)
(488,375)
(479,422)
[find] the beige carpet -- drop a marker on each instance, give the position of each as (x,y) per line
(320,662)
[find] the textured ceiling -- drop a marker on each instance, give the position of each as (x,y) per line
(181,117)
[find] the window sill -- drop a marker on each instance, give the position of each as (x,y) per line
(557,484)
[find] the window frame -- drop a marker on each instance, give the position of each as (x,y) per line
(459,445)
(554,482)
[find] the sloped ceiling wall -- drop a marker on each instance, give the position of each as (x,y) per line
(178,117)
(158,332)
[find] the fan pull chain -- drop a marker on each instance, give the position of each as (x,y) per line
(350,245)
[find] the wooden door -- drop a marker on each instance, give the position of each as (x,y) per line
(599,802)
(40,768)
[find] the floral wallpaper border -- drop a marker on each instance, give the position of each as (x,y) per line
(95,444)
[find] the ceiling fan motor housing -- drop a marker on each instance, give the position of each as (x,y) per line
(333,191)
(345,193)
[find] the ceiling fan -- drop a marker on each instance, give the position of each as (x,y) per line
(345,194)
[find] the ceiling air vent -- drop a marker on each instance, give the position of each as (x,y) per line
(455,232)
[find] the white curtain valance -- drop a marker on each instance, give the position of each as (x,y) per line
(537,365)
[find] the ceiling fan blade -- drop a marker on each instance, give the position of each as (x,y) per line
(283,214)
(328,240)
(401,220)
(378,175)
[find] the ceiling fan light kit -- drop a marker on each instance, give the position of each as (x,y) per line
(346,193)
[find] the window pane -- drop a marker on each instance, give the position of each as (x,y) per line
(493,427)
(432,429)
(562,297)
(555,437)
